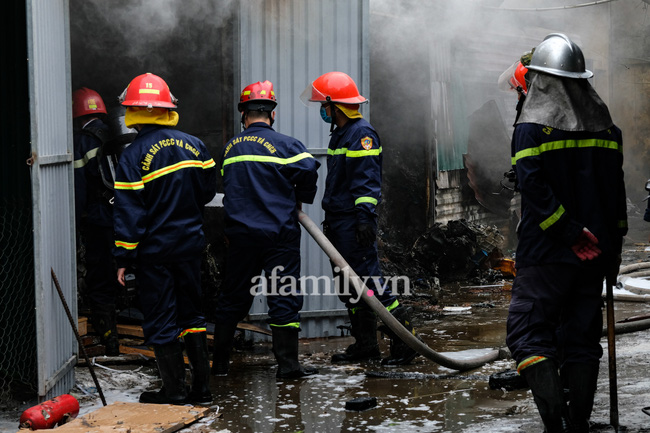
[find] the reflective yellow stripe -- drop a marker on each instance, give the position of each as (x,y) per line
(530,361)
(622,224)
(152,91)
(354,153)
(163,171)
(265,158)
(366,200)
(565,144)
(553,218)
(360,153)
(78,163)
(392,306)
(172,168)
(126,245)
(341,151)
(129,185)
(288,325)
(191,331)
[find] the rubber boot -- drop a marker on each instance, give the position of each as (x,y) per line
(544,382)
(364,330)
(285,349)
(400,352)
(171,367)
(104,320)
(224,335)
(581,380)
(196,347)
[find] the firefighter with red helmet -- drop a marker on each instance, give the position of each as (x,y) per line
(164,179)
(266,178)
(352,194)
(94,214)
(568,157)
(514,78)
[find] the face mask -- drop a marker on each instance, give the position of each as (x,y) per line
(323,114)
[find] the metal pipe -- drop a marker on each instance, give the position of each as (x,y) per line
(384,314)
(611,345)
(76,334)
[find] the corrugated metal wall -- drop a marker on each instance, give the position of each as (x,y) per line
(52,182)
(291,43)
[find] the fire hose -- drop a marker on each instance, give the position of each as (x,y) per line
(381,311)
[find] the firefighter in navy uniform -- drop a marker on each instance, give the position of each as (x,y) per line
(568,157)
(94,214)
(164,179)
(266,178)
(352,193)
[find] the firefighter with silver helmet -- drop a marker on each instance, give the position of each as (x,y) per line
(568,157)
(266,178)
(94,213)
(164,179)
(352,194)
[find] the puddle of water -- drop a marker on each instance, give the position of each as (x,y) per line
(253,401)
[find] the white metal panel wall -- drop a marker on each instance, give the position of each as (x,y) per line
(291,43)
(52,185)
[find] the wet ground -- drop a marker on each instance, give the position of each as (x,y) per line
(250,399)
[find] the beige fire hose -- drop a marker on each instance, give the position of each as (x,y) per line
(381,311)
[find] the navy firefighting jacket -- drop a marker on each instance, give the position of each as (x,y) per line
(353,183)
(91,195)
(568,180)
(265,174)
(163,181)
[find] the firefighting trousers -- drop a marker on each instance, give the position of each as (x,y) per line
(362,259)
(170,299)
(556,312)
(101,280)
(280,285)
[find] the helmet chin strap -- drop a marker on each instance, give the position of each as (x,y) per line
(332,113)
(520,104)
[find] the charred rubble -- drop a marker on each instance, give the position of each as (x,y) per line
(455,251)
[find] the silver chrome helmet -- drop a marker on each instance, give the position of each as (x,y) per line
(558,55)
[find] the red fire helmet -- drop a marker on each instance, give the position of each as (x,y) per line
(148,90)
(518,79)
(260,92)
(87,101)
(339,87)
(514,78)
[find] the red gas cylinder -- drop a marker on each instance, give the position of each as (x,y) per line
(50,413)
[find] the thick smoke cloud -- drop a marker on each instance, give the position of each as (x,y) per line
(434,70)
(188,43)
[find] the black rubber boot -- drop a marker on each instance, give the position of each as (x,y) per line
(364,330)
(400,352)
(544,381)
(285,349)
(581,380)
(104,320)
(171,367)
(196,347)
(224,335)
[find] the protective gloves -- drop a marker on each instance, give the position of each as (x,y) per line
(585,246)
(366,234)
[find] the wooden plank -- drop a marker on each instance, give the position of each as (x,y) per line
(136,331)
(120,417)
(82,325)
(146,352)
(253,328)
